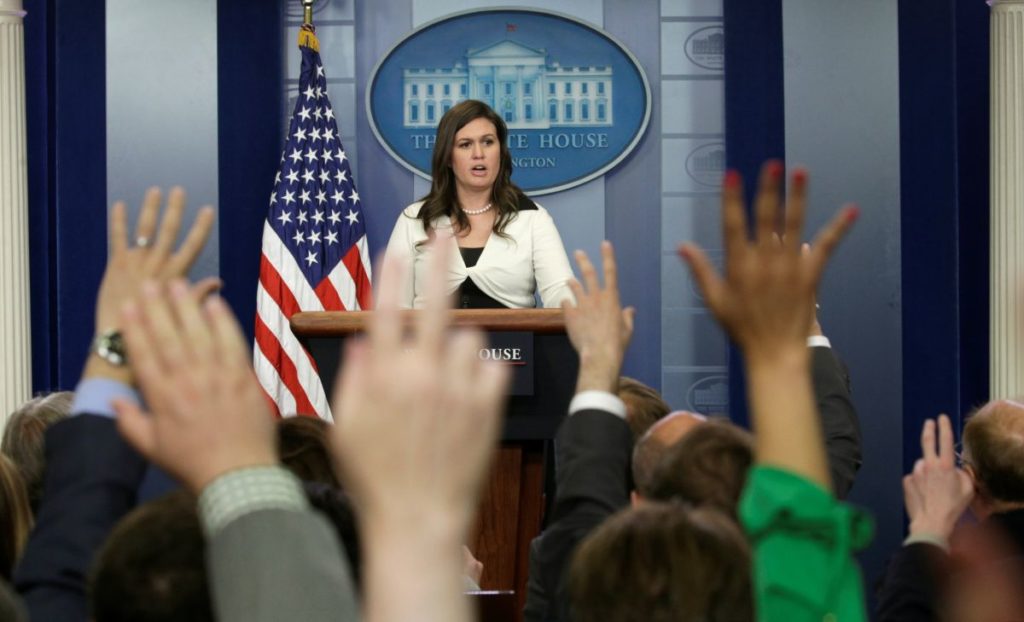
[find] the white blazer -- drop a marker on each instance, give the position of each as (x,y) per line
(531,259)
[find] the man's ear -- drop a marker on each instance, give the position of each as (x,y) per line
(969,469)
(635,499)
(981,504)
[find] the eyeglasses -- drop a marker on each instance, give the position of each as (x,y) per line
(958,452)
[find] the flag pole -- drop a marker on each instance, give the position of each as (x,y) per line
(307,34)
(307,12)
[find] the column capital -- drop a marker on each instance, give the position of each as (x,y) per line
(1007,3)
(11,8)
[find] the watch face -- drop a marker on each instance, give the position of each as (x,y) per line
(110,347)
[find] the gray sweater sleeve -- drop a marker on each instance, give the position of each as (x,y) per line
(275,564)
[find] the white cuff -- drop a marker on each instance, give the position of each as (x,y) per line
(818,341)
(598,400)
(927,538)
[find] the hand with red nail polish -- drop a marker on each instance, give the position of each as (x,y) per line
(765,300)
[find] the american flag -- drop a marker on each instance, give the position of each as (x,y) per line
(315,256)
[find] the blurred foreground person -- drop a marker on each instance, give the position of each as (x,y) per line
(413,447)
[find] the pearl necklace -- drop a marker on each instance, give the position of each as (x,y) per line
(476,212)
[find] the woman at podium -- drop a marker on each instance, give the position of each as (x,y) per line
(509,248)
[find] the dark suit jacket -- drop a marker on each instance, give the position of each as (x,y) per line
(918,573)
(838,418)
(91,480)
(592,457)
(593,452)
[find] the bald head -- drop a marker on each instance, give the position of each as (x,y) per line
(994,450)
(651,447)
(1005,414)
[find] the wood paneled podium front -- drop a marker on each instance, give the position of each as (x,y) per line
(534,343)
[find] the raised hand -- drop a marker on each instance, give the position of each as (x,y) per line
(598,327)
(152,257)
(766,298)
(207,414)
(766,302)
(937,492)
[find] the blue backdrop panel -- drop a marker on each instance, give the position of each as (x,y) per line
(842,121)
(385,184)
(633,201)
(944,155)
(755,123)
(249,74)
(42,215)
(65,68)
(972,139)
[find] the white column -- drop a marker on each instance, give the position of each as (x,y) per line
(15,353)
(1007,200)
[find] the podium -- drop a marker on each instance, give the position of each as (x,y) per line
(544,367)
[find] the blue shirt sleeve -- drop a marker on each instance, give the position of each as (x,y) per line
(94,396)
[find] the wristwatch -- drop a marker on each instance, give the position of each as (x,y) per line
(109,346)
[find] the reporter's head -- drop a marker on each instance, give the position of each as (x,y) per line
(152,567)
(708,466)
(644,405)
(667,560)
(993,455)
(302,447)
(652,445)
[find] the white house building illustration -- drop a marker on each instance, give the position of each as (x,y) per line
(515,80)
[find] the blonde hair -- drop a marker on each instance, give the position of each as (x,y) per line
(24,434)
(994,448)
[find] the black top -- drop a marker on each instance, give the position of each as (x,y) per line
(471,255)
(469,295)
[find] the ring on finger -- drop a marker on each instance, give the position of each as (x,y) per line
(142,241)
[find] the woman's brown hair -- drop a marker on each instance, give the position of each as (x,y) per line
(442,199)
(15,517)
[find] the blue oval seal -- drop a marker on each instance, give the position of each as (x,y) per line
(706,164)
(709,396)
(576,101)
(706,48)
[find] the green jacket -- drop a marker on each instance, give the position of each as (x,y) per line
(803,541)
